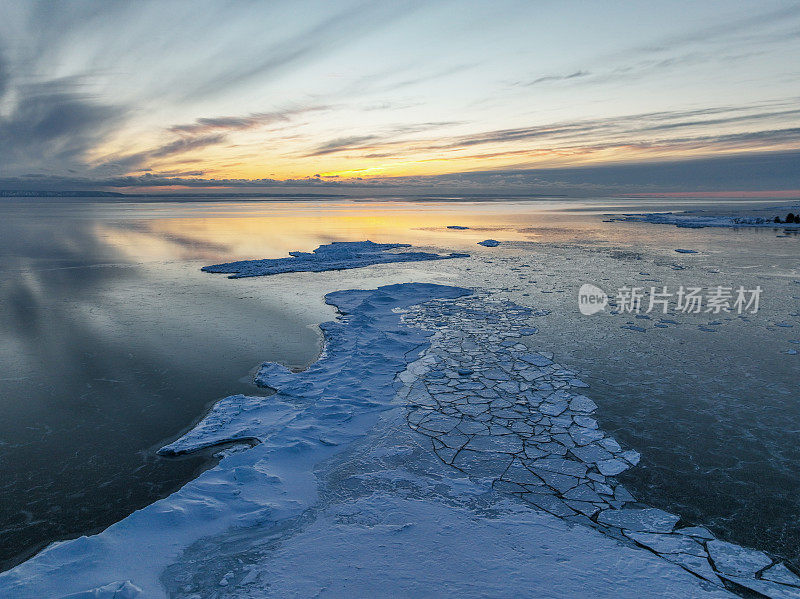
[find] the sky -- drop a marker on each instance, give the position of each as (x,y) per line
(573,97)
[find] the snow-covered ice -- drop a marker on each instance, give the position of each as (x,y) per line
(339,255)
(419,456)
(693,220)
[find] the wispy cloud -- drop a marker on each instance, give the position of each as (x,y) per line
(725,29)
(629,125)
(553,78)
(384,139)
(724,41)
(53,125)
(183,145)
(318,37)
(341,144)
(239,123)
(5,76)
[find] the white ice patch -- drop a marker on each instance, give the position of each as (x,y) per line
(697,221)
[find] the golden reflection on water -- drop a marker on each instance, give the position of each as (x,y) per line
(271,230)
(213,232)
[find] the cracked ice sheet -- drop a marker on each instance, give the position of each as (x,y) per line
(336,401)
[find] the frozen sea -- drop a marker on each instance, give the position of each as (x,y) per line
(114,343)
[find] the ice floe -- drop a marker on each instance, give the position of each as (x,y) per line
(339,255)
(692,220)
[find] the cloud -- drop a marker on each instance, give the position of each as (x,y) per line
(343,143)
(681,129)
(139,161)
(202,133)
(52,125)
(727,41)
(240,123)
(388,138)
(186,144)
(316,40)
(630,128)
(725,30)
(551,78)
(5,77)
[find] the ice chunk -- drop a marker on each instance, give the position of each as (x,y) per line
(590,453)
(610,444)
(582,493)
(560,482)
(734,560)
(622,494)
(667,543)
(581,403)
(699,532)
(584,436)
(535,359)
(584,507)
(630,456)
(561,466)
(641,520)
(489,243)
(549,503)
(501,443)
(479,464)
(780,573)
(612,467)
(553,409)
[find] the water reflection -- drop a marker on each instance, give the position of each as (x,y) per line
(111,341)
